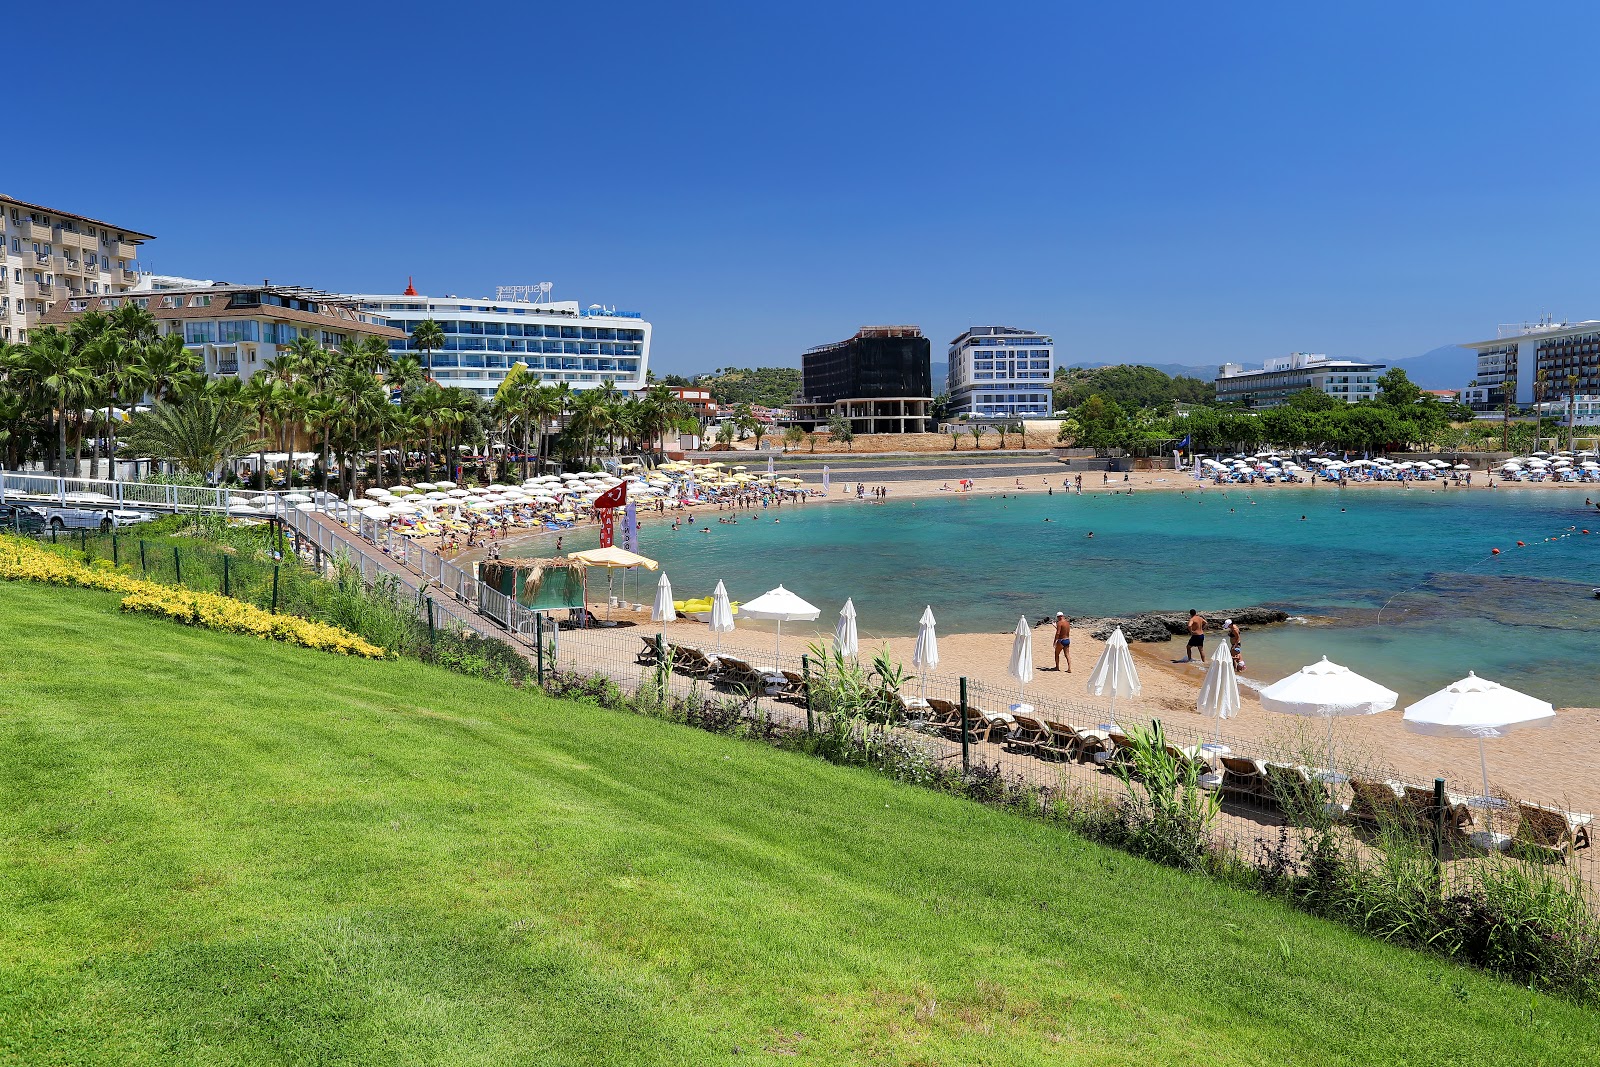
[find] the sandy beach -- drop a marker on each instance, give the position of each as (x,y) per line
(1553,765)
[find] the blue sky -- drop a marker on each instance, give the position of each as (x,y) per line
(1145,181)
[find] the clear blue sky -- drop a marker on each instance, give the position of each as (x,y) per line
(1165,182)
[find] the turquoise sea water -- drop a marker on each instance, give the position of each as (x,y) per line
(1526,617)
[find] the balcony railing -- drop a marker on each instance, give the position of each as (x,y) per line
(227,366)
(124,250)
(75,239)
(32,290)
(35,231)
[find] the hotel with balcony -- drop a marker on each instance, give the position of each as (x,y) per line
(1283,376)
(1000,372)
(1537,362)
(237,329)
(49,256)
(559,341)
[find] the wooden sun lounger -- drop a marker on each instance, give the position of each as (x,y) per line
(739,674)
(1551,831)
(1457,816)
(1027,734)
(1069,742)
(1245,777)
(1293,787)
(1379,804)
(646,656)
(691,661)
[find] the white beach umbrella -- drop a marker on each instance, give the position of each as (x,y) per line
(1476,707)
(239,507)
(780,606)
(844,633)
(376,493)
(925,655)
(1326,690)
(721,613)
(1219,690)
(1021,665)
(662,610)
(1114,674)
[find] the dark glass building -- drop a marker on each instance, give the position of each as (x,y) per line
(880,379)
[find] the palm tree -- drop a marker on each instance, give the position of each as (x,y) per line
(262,395)
(545,404)
(50,369)
(426,336)
(201,432)
(170,369)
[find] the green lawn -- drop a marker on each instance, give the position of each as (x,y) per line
(214,850)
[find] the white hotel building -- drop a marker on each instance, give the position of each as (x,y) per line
(1283,376)
(559,341)
(1000,372)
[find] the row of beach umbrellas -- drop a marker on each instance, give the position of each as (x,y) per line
(1471,708)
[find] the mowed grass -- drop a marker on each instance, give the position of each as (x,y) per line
(215,850)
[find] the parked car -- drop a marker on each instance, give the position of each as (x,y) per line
(102,519)
(20,518)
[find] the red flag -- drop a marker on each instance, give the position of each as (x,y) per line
(605,527)
(614,497)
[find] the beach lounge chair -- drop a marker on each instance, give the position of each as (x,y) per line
(792,688)
(1550,831)
(1245,778)
(981,725)
(1379,804)
(1068,742)
(944,715)
(1457,817)
(905,709)
(738,674)
(1027,734)
(691,661)
(1191,758)
(646,656)
(1294,789)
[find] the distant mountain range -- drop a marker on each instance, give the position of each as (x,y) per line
(1445,367)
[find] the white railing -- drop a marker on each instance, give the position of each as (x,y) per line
(27,487)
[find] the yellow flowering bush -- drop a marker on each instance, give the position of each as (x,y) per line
(25,561)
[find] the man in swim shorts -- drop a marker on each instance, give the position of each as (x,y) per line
(1063,640)
(1197,637)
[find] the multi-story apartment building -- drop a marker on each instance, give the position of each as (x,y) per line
(49,256)
(1283,376)
(880,380)
(1540,360)
(559,341)
(1001,372)
(237,329)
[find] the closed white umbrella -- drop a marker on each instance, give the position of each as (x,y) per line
(780,606)
(844,634)
(721,613)
(1219,690)
(1021,665)
(1477,707)
(1325,690)
(662,610)
(1114,674)
(925,655)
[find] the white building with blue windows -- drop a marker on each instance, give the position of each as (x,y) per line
(561,342)
(1001,372)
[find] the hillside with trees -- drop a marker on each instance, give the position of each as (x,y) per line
(1129,385)
(767,386)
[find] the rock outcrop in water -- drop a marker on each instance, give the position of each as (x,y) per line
(1165,625)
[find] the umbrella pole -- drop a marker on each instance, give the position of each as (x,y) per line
(777,648)
(1330,748)
(1483,765)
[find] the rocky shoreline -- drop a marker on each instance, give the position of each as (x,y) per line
(1165,625)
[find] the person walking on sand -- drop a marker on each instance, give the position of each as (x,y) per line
(1062,642)
(1197,637)
(1235,642)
